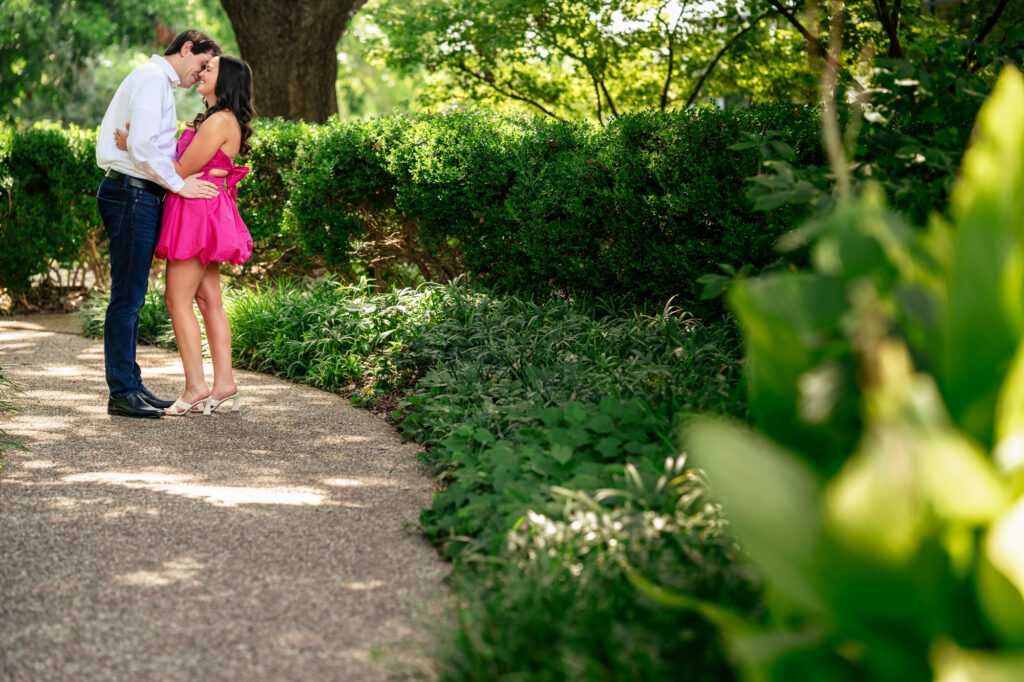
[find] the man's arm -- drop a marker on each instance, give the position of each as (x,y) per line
(193,187)
(144,135)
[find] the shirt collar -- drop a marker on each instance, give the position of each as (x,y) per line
(166,67)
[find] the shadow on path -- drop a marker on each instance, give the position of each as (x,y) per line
(266,544)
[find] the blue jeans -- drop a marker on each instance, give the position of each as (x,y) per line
(131,217)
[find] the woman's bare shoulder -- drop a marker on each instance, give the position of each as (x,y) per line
(221,119)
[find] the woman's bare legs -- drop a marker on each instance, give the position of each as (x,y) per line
(218,331)
(183,279)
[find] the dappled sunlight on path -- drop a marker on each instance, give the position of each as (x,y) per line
(271,543)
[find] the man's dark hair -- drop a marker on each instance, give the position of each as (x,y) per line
(201,43)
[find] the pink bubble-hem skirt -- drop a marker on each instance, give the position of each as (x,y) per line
(208,229)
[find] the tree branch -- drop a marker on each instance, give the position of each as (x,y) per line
(671,57)
(721,53)
(668,75)
(511,95)
(608,98)
(991,22)
(813,43)
(890,22)
(986,28)
(811,40)
(597,92)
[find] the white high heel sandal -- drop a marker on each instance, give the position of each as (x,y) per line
(213,403)
(180,408)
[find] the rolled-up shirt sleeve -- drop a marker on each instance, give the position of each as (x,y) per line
(146,105)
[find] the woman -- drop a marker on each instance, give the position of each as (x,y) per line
(198,234)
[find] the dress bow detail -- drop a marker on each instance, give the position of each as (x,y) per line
(232,179)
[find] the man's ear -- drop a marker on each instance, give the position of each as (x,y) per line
(186,48)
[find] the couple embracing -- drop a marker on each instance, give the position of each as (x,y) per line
(176,200)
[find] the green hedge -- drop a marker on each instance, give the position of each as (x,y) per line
(49,177)
(636,211)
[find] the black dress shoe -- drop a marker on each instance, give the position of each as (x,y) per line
(132,406)
(153,400)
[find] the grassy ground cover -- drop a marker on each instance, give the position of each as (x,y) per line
(7,389)
(551,427)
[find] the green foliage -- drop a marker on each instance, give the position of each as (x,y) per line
(7,390)
(559,605)
(264,193)
(594,59)
(367,86)
(881,492)
(50,177)
(62,60)
(637,210)
(327,334)
(154,320)
(517,396)
(344,186)
(907,133)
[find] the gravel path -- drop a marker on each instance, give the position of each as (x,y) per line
(269,544)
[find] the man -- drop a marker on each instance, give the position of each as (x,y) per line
(130,200)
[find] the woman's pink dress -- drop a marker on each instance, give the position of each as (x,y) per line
(208,229)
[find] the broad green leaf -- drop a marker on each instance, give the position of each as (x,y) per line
(1004,545)
(985,312)
(1001,603)
(911,468)
(958,481)
(874,504)
(575,413)
(551,416)
(885,496)
(601,423)
(608,446)
(953,664)
(482,435)
(772,499)
(1009,426)
(790,327)
(561,453)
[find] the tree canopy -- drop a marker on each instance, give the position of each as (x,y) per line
(62,60)
(597,58)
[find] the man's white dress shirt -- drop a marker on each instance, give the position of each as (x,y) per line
(146,100)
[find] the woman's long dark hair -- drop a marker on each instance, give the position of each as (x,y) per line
(234,93)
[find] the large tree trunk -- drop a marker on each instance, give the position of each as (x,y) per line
(291,46)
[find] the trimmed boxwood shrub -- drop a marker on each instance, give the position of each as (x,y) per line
(49,177)
(263,194)
(636,211)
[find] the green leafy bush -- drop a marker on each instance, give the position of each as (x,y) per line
(7,390)
(328,334)
(516,396)
(882,494)
(50,178)
(559,605)
(906,133)
(154,320)
(264,193)
(631,212)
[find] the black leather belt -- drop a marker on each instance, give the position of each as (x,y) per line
(148,185)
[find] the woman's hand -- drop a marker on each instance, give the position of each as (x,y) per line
(121,137)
